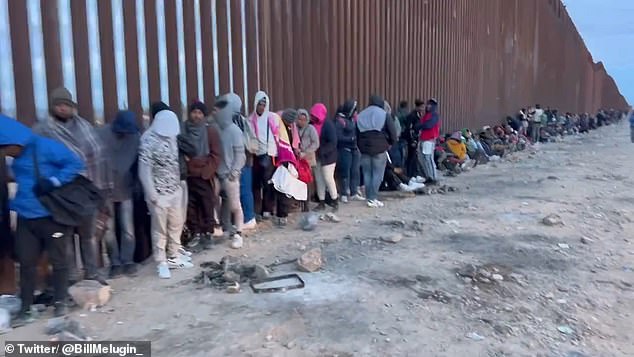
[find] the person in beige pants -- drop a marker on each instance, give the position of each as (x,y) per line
(159,173)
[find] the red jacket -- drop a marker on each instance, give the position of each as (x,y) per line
(429,126)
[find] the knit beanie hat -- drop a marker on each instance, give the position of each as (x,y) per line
(290,116)
(61,95)
(200,106)
(157,107)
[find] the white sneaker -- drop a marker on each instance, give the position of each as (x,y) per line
(178,263)
(405,188)
(344,199)
(358,197)
(372,204)
(164,271)
(184,252)
(236,241)
(416,185)
(379,203)
(419,179)
(251,225)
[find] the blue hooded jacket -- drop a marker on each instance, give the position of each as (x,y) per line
(54,161)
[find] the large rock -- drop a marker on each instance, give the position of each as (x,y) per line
(310,261)
(90,294)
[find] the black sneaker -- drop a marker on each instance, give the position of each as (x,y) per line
(130,270)
(99,279)
(334,204)
(195,241)
(116,271)
(320,207)
(207,241)
(60,309)
(430,182)
(24,318)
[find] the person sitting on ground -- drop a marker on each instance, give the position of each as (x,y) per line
(394,179)
(457,146)
(37,231)
(492,141)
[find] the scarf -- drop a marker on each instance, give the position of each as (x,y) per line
(197,135)
(80,137)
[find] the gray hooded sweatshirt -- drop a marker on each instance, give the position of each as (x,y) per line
(233,154)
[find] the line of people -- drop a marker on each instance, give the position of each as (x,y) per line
(215,175)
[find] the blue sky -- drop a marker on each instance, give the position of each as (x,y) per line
(607,27)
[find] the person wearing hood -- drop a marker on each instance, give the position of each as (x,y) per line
(326,156)
(81,137)
(395,153)
(159,173)
(348,157)
(429,127)
(376,133)
(456,145)
(202,165)
(263,123)
(309,143)
(233,160)
(121,139)
(37,231)
(410,135)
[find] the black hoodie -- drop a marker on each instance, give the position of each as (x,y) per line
(346,127)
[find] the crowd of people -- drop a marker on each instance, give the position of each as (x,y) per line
(218,173)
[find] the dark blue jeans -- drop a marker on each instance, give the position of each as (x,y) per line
(349,171)
(246,193)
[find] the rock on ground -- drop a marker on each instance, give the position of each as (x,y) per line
(392,238)
(310,261)
(90,294)
(553,220)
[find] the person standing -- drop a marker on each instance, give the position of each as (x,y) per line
(121,139)
(246,176)
(202,165)
(410,135)
(80,137)
(308,145)
(233,160)
(326,157)
(376,132)
(537,122)
(429,132)
(262,121)
(159,173)
(348,157)
(57,165)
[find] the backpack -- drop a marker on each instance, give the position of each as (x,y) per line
(250,141)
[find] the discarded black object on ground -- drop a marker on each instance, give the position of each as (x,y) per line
(299,285)
(230,270)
